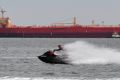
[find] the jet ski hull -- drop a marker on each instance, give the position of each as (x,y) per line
(52,60)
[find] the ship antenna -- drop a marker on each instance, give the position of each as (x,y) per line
(2,12)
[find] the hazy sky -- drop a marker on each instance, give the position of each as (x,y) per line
(44,12)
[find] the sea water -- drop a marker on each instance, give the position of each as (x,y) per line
(92,58)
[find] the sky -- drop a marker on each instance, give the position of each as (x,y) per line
(47,12)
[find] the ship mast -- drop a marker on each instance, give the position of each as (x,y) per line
(2,12)
(74,21)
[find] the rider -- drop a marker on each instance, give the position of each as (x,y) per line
(51,53)
(59,48)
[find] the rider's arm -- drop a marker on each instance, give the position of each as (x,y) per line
(56,50)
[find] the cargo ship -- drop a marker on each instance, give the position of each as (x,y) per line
(8,30)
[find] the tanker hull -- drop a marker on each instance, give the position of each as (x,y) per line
(60,32)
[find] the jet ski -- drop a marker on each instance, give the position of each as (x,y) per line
(50,57)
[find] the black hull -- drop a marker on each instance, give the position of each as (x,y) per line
(57,35)
(52,60)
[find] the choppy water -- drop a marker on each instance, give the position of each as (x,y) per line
(18,60)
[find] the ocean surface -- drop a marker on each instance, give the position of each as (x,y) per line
(18,59)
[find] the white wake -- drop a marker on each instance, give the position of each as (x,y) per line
(81,52)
